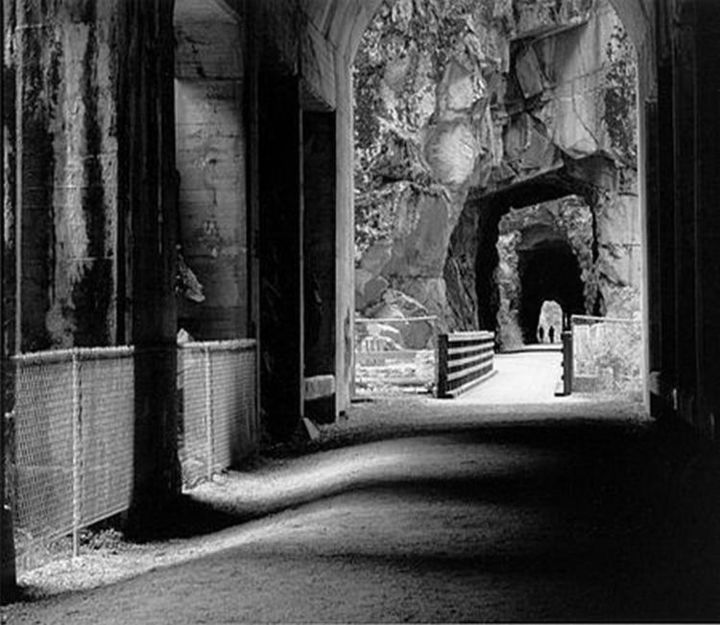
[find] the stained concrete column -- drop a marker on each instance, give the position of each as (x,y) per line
(281,249)
(319,226)
(707,215)
(65,186)
(684,188)
(146,136)
(664,295)
(650,151)
(8,577)
(92,144)
(344,234)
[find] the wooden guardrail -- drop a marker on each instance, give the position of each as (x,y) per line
(464,360)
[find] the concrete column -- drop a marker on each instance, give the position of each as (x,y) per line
(146,137)
(92,143)
(684,186)
(650,153)
(344,235)
(707,216)
(66,177)
(281,249)
(665,295)
(8,578)
(319,255)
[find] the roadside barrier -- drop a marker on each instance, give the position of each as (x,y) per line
(465,359)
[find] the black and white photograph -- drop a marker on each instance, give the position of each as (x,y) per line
(359,311)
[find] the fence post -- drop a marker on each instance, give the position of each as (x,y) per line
(442,361)
(436,337)
(77,452)
(208,413)
(567,339)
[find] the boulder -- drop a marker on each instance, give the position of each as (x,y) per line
(368,293)
(396,305)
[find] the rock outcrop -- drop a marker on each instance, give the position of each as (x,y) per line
(466,109)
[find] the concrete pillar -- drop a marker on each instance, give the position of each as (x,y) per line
(319,227)
(707,216)
(650,152)
(281,250)
(684,187)
(665,295)
(92,143)
(146,129)
(8,577)
(344,234)
(66,186)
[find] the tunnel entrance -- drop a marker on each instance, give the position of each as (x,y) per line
(484,190)
(542,252)
(549,270)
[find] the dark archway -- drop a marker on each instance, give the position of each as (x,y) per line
(548,266)
(548,270)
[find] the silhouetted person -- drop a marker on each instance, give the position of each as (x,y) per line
(541,334)
(551,334)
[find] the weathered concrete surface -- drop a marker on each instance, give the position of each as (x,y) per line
(66,191)
(90,202)
(211,146)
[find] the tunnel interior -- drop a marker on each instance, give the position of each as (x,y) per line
(548,270)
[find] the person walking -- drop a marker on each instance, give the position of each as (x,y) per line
(551,334)
(541,334)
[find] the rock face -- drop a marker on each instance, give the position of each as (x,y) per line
(466,109)
(545,254)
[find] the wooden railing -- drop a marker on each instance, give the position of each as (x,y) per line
(464,360)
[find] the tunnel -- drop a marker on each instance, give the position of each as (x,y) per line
(548,270)
(547,263)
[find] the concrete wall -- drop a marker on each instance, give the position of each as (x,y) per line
(65,148)
(211,163)
(90,198)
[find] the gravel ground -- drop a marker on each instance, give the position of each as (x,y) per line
(415,509)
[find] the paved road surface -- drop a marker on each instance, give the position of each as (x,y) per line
(522,378)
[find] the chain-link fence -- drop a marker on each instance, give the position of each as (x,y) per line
(73,433)
(73,427)
(395,354)
(607,355)
(216,382)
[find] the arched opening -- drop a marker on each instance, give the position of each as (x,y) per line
(551,320)
(548,271)
(447,146)
(545,252)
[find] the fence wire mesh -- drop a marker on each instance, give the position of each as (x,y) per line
(73,455)
(73,429)
(220,427)
(607,355)
(42,482)
(395,355)
(107,412)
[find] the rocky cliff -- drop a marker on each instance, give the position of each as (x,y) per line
(467,109)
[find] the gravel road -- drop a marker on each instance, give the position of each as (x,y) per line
(418,511)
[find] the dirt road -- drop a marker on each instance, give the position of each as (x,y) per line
(522,516)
